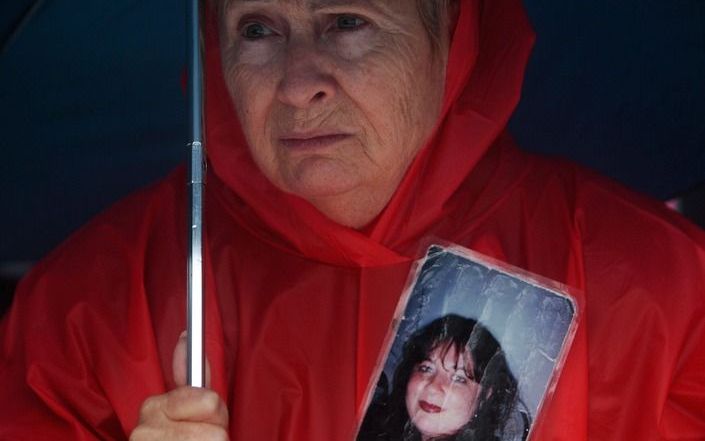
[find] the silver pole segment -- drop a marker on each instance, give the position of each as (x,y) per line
(195,369)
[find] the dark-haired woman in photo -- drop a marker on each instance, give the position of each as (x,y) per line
(453,383)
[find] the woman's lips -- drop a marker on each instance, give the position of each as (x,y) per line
(428,407)
(312,142)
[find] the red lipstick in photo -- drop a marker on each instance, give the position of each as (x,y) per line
(428,407)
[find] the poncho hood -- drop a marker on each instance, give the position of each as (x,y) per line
(489,50)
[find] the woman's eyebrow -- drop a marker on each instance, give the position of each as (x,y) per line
(319,4)
(314,4)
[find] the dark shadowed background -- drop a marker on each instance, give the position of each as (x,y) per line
(92,108)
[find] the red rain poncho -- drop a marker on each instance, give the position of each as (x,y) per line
(298,306)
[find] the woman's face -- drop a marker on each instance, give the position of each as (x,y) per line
(335,97)
(441,395)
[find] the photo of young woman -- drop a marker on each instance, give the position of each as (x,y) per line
(452,383)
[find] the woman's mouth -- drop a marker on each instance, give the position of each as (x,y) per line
(428,407)
(312,142)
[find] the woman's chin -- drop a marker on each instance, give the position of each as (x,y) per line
(337,190)
(315,178)
(318,188)
(349,205)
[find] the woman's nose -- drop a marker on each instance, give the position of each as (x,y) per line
(437,383)
(307,77)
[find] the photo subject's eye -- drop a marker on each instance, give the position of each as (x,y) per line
(348,23)
(459,377)
(255,31)
(424,368)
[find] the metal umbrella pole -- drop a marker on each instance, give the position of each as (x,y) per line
(195,369)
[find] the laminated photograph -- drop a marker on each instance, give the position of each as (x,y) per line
(473,355)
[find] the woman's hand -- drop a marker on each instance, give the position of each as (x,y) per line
(185,413)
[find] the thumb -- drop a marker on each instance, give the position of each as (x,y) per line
(179,362)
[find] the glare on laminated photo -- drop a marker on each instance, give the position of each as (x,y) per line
(473,354)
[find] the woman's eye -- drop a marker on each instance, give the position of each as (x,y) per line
(348,23)
(424,368)
(254,31)
(459,378)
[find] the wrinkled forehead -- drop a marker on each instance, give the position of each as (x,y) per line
(395,6)
(313,4)
(385,8)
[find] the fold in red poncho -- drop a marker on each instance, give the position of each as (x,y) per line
(298,306)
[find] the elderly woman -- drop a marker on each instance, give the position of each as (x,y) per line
(340,135)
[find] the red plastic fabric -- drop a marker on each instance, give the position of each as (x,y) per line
(298,306)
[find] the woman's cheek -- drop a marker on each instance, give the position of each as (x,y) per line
(257,53)
(251,92)
(412,386)
(353,45)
